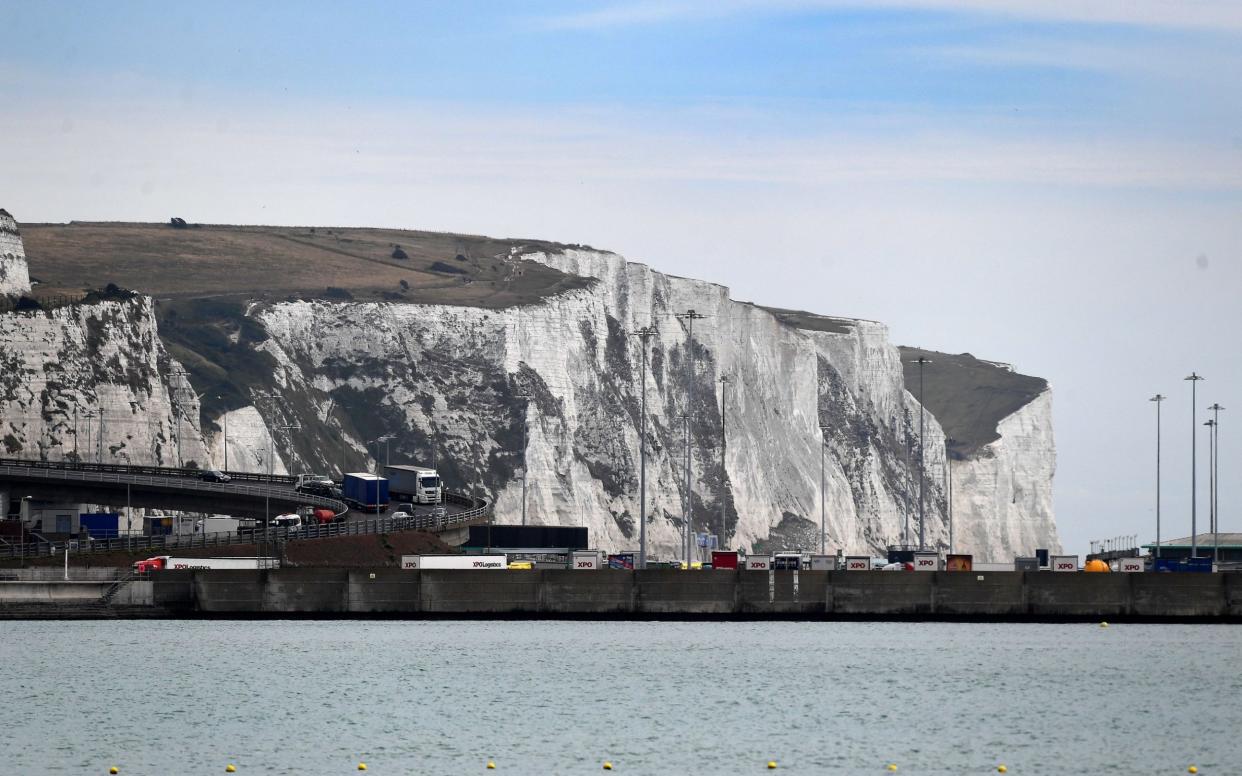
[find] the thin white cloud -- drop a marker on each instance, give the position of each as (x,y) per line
(1223,15)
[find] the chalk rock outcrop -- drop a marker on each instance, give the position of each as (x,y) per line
(14,274)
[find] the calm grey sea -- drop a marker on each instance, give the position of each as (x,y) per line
(653,698)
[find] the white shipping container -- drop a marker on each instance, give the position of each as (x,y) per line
(1063,562)
(1131,565)
(758,563)
(455,562)
(858,563)
(823,563)
(585,561)
(926,561)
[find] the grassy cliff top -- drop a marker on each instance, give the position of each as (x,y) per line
(969,396)
(277,262)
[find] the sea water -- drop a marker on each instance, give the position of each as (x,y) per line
(445,697)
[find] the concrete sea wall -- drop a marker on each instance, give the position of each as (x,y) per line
(652,594)
(672,594)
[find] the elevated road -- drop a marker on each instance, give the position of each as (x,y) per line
(248,495)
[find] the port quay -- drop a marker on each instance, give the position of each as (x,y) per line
(1005,596)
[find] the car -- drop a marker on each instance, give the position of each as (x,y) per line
(214,475)
(400,515)
(406,506)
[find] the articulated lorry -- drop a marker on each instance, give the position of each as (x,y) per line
(422,485)
(168,562)
(366,492)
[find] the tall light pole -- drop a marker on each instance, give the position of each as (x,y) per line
(225,416)
(525,413)
(948,469)
(1211,424)
(905,533)
(643,334)
(689,316)
(1194,420)
(271,440)
(921,361)
(1216,408)
(1158,399)
(823,509)
(376,442)
(686,497)
(724,383)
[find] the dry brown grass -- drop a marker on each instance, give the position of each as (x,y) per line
(278,262)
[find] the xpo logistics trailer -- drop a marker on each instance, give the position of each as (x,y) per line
(422,485)
(168,562)
(366,492)
(457,562)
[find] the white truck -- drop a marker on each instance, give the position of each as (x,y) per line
(162,562)
(421,484)
(458,562)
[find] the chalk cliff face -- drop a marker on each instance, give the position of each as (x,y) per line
(61,368)
(552,393)
(459,386)
(1002,495)
(14,274)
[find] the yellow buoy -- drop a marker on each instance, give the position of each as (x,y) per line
(1192,769)
(491,766)
(362,766)
(230,768)
(771,765)
(114,770)
(1001,769)
(607,766)
(892,767)
(1103,625)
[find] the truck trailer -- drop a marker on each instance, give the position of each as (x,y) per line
(437,562)
(366,492)
(422,485)
(168,562)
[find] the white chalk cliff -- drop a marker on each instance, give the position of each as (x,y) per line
(460,387)
(14,274)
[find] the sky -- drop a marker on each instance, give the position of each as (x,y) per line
(1055,184)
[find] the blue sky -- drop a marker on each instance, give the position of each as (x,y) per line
(1055,184)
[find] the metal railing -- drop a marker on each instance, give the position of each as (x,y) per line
(155,471)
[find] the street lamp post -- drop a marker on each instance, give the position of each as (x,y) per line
(1211,424)
(823,509)
(644,334)
(1158,399)
(225,416)
(1216,408)
(948,470)
(1194,538)
(376,442)
(921,361)
(689,316)
(724,383)
(525,441)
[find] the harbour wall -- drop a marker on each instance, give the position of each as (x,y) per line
(672,594)
(651,594)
